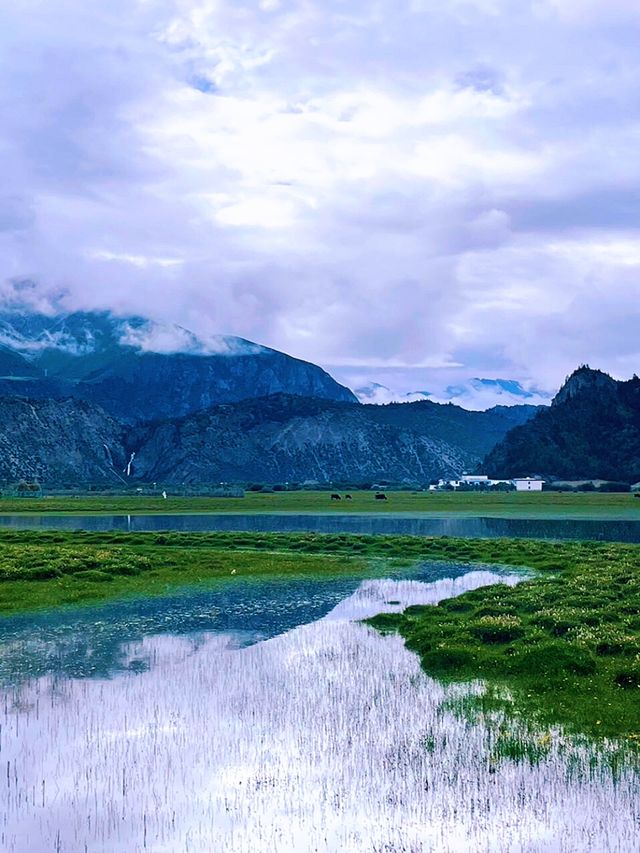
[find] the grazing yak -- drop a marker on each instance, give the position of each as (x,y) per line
(381,497)
(335,497)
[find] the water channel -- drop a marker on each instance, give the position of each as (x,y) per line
(610,530)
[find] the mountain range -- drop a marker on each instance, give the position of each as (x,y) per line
(286,438)
(270,439)
(137,370)
(476,393)
(93,398)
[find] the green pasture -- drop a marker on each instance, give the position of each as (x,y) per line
(497,504)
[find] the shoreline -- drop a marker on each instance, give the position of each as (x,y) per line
(631,514)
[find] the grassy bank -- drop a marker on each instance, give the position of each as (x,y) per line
(562,647)
(521,505)
(35,578)
(40,569)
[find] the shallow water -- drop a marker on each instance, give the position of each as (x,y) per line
(607,530)
(274,733)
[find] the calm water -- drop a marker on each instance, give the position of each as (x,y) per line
(477,527)
(266,718)
(88,642)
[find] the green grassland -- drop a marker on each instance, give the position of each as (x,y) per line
(563,646)
(40,569)
(498,504)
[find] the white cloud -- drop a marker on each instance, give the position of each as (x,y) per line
(171,338)
(588,12)
(401,186)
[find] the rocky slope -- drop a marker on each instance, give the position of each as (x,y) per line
(591,431)
(61,442)
(138,370)
(285,438)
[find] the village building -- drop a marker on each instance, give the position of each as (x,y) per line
(479,481)
(528,484)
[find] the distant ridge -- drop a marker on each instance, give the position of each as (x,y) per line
(284,438)
(476,394)
(91,397)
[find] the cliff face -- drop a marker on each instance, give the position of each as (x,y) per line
(592,430)
(284,438)
(138,370)
(65,442)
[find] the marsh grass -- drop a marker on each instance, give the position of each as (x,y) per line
(35,577)
(565,642)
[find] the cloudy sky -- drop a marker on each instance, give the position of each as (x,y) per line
(413,192)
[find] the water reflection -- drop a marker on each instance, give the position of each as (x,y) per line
(471,527)
(88,642)
(325,739)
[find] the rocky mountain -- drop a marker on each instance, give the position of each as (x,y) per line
(65,442)
(138,370)
(591,431)
(286,438)
(92,398)
(276,438)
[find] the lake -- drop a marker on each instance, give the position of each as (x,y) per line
(264,717)
(458,526)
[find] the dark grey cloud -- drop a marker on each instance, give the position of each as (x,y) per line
(406,190)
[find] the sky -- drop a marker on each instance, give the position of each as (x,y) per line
(412,193)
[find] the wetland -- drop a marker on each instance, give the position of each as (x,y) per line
(305,691)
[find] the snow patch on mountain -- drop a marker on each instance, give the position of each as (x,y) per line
(379,394)
(82,334)
(475,394)
(481,394)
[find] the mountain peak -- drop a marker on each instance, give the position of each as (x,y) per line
(83,333)
(138,369)
(584,380)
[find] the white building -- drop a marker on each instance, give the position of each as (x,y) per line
(479,480)
(475,480)
(528,484)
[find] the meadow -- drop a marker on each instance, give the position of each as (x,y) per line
(499,504)
(562,646)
